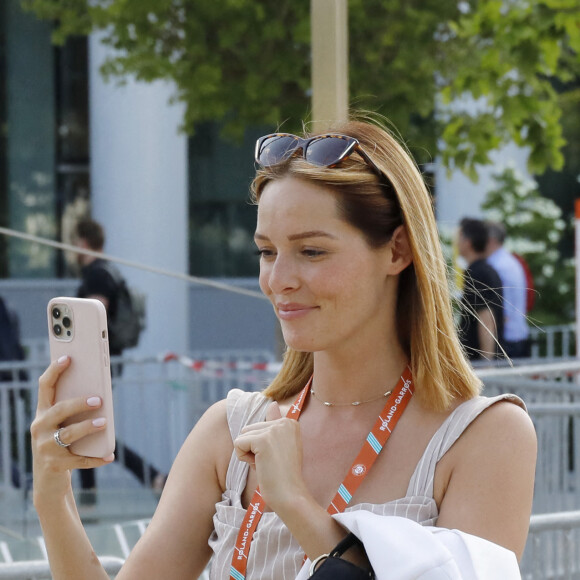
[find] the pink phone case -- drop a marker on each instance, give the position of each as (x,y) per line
(77,327)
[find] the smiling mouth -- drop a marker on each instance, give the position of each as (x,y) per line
(293,311)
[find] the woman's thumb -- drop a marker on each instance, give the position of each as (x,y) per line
(273,412)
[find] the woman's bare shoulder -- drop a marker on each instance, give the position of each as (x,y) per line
(488,482)
(504,419)
(501,429)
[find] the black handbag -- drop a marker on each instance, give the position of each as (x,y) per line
(333,567)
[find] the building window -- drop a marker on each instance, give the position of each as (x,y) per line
(44,164)
(222,221)
(72,150)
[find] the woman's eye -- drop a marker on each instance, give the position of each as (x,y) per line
(311,253)
(264,253)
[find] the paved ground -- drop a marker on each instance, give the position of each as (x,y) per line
(120,498)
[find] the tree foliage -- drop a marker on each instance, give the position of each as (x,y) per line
(243,62)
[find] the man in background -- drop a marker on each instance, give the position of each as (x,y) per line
(96,278)
(481,324)
(513,278)
(101,280)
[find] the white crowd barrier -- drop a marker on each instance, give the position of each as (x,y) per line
(159,399)
(553,547)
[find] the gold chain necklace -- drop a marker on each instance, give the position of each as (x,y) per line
(353,404)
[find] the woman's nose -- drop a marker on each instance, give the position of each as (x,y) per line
(283,275)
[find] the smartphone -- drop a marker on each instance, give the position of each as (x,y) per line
(77,327)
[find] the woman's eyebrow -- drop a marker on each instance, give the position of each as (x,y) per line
(300,236)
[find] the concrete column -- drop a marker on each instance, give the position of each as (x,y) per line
(329,23)
(139,193)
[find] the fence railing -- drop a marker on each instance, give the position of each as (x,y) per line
(173,393)
(152,391)
(553,547)
(558,341)
(552,395)
(552,551)
(40,569)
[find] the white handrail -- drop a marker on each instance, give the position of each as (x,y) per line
(40,569)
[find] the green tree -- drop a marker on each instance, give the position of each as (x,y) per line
(534,227)
(244,63)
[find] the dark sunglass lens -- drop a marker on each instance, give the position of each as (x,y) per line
(276,149)
(326,151)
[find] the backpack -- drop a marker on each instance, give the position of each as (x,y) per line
(129,320)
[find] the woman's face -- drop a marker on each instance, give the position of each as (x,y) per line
(329,289)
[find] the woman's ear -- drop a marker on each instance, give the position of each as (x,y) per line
(401,255)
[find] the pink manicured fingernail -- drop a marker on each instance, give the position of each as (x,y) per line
(62,359)
(109,457)
(99,422)
(93,401)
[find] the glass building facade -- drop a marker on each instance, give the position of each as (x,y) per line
(45,161)
(44,151)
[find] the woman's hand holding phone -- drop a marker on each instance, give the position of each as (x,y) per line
(53,463)
(74,426)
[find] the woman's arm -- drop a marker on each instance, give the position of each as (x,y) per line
(175,544)
(490,483)
(69,551)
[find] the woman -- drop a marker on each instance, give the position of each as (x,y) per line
(351,261)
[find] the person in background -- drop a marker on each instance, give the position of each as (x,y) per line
(98,282)
(96,278)
(11,350)
(481,323)
(513,279)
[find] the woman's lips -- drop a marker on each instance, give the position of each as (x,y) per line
(293,311)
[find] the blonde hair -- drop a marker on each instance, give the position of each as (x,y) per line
(376,207)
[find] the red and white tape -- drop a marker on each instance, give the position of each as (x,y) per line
(220,366)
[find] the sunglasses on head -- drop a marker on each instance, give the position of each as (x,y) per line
(322,150)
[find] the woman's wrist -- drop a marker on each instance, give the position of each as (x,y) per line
(314,528)
(55,498)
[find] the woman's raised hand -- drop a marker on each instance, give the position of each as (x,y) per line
(274,449)
(52,462)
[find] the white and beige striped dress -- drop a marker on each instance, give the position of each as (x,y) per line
(275,554)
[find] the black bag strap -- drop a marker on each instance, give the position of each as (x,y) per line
(332,567)
(344,545)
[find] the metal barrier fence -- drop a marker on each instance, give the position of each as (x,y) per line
(119,540)
(552,395)
(553,341)
(158,400)
(553,547)
(552,551)
(40,569)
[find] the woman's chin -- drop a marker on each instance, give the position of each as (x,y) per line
(297,343)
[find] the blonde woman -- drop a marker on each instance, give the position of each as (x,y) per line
(376,408)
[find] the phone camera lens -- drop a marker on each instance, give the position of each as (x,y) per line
(56,312)
(66,321)
(57,329)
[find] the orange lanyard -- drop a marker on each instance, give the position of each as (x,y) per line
(374,443)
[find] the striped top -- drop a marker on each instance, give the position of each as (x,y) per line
(275,554)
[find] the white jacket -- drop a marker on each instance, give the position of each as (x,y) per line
(401,549)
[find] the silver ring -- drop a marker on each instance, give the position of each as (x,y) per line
(58,440)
